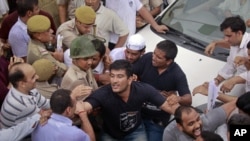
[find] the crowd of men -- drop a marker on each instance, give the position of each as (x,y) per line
(91,78)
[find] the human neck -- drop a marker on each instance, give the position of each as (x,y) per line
(125,95)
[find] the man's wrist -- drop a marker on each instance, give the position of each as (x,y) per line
(217,80)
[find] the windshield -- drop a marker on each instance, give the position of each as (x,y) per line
(201,19)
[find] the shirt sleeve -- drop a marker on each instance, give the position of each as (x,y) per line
(154,95)
(20,130)
(18,42)
(42,102)
(244,75)
(168,134)
(213,119)
(228,69)
(138,5)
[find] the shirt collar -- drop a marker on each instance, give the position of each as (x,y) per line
(101,9)
(244,40)
(22,24)
(61,118)
(16,92)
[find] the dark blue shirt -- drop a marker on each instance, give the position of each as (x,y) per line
(172,79)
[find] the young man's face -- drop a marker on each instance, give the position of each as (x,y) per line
(191,124)
(119,80)
(233,38)
(159,60)
(132,55)
(96,59)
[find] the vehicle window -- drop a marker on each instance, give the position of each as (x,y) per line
(201,18)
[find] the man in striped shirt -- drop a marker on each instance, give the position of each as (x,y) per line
(22,100)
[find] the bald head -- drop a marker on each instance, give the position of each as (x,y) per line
(21,72)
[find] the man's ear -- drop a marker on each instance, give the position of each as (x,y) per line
(179,126)
(68,110)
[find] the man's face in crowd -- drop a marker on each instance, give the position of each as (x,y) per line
(30,78)
(119,80)
(46,36)
(83,63)
(233,38)
(96,59)
(191,124)
(132,55)
(93,4)
(159,60)
(84,28)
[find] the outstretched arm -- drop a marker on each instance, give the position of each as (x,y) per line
(203,89)
(86,125)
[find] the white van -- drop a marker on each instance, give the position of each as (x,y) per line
(193,25)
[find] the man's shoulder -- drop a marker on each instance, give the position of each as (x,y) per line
(172,133)
(68,25)
(106,11)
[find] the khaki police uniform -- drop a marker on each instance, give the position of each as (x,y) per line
(69,32)
(46,89)
(37,50)
(75,76)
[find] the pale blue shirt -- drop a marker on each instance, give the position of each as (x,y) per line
(19,39)
(59,128)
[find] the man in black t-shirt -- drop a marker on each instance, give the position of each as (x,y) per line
(121,103)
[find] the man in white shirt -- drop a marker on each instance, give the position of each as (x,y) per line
(126,10)
(235,38)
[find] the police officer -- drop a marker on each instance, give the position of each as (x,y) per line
(40,34)
(82,51)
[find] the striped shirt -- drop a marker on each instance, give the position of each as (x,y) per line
(18,106)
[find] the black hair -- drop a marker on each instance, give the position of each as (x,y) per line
(60,100)
(236,23)
(169,48)
(122,65)
(16,74)
(243,103)
(248,45)
(239,119)
(179,111)
(99,47)
(23,6)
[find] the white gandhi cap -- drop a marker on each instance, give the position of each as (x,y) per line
(136,42)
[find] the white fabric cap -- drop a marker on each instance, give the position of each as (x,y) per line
(117,53)
(136,42)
